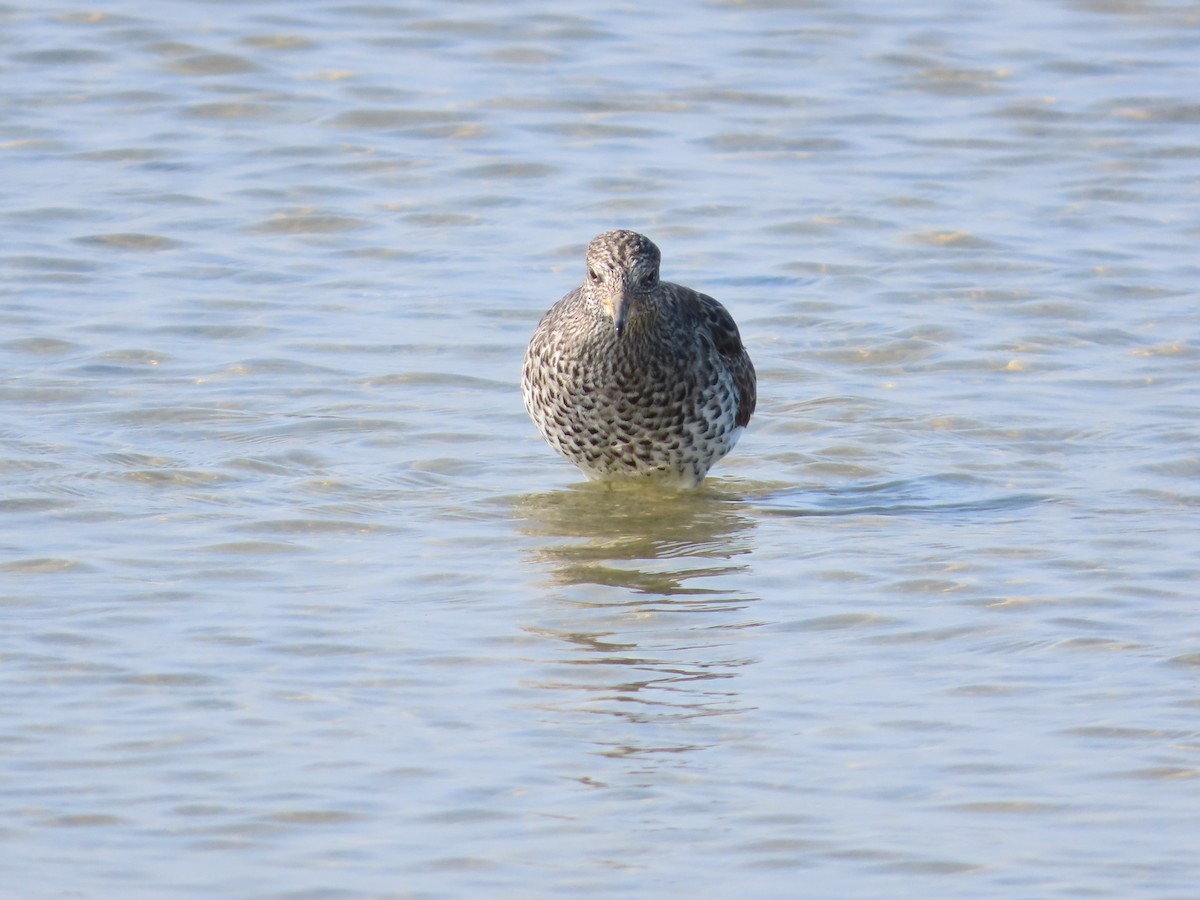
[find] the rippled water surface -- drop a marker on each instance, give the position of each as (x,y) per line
(297,604)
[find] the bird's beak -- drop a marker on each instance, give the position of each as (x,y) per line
(620,312)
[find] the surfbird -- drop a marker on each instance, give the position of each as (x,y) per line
(630,377)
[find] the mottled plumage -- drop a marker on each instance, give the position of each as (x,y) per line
(631,377)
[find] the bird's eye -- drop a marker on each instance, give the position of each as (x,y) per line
(593,276)
(650,279)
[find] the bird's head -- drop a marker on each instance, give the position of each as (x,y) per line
(622,270)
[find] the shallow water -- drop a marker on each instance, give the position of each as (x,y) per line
(298,605)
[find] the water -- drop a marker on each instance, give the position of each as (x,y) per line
(296,603)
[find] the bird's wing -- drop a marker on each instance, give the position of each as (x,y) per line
(718,324)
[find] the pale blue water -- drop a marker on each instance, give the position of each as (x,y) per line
(296,604)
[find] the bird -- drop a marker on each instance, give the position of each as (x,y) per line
(633,378)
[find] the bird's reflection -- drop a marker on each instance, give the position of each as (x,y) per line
(646,541)
(647,609)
